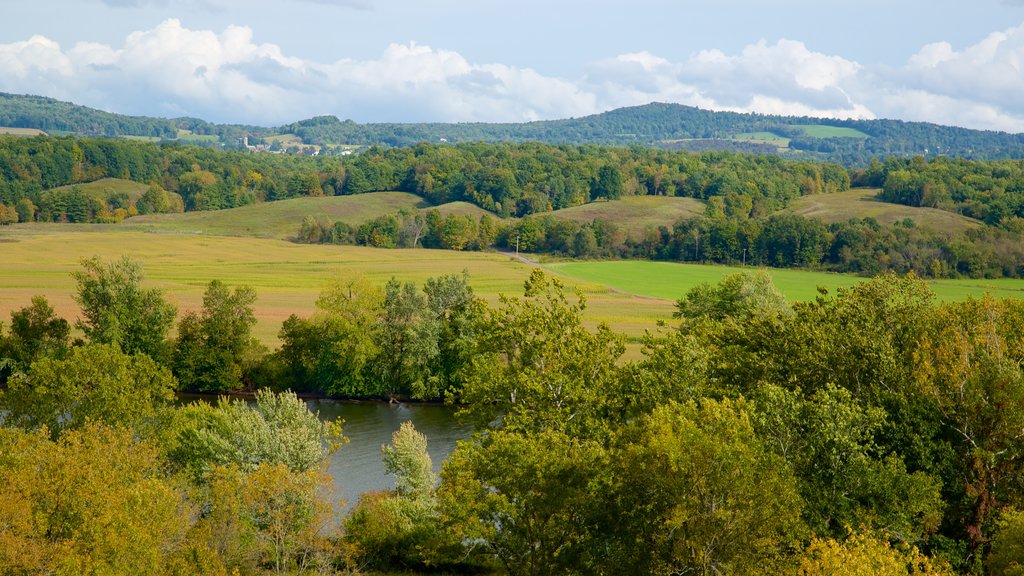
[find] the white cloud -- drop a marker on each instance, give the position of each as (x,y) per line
(229,76)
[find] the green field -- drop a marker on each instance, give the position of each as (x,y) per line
(669,280)
(823,131)
(861,203)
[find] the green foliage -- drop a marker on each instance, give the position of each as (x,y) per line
(98,382)
(1007,555)
(537,367)
(35,333)
(118,311)
(526,498)
(333,351)
(828,439)
(401,529)
(93,502)
(213,346)
(407,338)
(739,296)
(702,491)
(277,429)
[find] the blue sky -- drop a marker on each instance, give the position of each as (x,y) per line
(269,62)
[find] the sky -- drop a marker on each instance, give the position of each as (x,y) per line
(270,62)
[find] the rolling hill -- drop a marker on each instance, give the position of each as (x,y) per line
(851,142)
(862,203)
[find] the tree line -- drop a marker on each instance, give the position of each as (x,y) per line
(873,427)
(650,125)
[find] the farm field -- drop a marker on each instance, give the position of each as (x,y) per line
(670,280)
(861,203)
(287,277)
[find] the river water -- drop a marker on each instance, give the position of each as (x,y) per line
(357,467)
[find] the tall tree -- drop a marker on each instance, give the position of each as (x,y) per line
(117,310)
(212,346)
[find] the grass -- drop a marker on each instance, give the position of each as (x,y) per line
(823,131)
(763,138)
(279,219)
(464,209)
(861,203)
(635,213)
(287,277)
(668,280)
(21,131)
(104,187)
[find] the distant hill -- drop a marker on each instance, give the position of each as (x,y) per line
(850,142)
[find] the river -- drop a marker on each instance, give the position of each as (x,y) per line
(357,467)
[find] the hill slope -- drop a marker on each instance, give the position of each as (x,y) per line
(852,142)
(861,203)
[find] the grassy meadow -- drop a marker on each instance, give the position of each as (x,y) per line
(104,187)
(635,213)
(181,253)
(287,277)
(279,219)
(669,280)
(861,203)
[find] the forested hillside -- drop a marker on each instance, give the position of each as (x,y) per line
(850,142)
(746,199)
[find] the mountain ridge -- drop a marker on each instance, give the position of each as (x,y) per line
(657,124)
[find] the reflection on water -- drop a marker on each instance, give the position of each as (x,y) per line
(357,467)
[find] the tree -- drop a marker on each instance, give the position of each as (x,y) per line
(95,501)
(334,350)
(278,429)
(538,367)
(739,296)
(529,499)
(213,346)
(117,310)
(866,555)
(401,528)
(697,485)
(26,210)
(96,382)
(36,332)
(844,478)
(971,364)
(1007,552)
(457,314)
(8,215)
(609,183)
(407,338)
